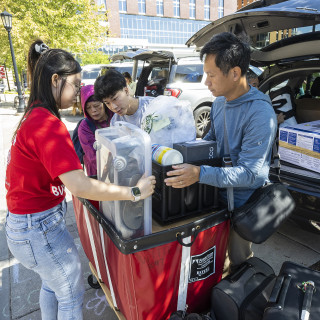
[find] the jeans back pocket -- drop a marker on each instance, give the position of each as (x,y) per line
(22,250)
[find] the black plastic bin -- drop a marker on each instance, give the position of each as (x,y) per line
(169,204)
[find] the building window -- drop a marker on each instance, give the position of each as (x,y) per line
(206,9)
(102,4)
(142,6)
(159,7)
(122,5)
(220,8)
(159,29)
(176,8)
(192,9)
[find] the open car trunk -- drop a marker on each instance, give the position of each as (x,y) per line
(285,39)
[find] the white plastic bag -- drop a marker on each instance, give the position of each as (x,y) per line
(168,121)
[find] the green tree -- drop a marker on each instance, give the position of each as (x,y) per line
(74,25)
(93,57)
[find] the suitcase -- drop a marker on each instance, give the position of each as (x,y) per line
(150,277)
(286,300)
(243,294)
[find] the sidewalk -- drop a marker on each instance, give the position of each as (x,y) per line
(19,287)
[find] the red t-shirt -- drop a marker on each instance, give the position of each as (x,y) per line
(41,151)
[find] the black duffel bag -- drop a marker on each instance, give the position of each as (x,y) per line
(265,210)
(243,294)
(263,213)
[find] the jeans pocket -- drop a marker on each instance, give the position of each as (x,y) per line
(52,222)
(22,250)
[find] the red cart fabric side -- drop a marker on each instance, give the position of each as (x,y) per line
(94,254)
(151,284)
(209,242)
(146,283)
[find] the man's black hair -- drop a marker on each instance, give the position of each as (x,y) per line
(108,85)
(229,51)
(251,75)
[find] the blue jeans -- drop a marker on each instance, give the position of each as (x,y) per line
(42,243)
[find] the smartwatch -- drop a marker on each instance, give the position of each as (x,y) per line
(135,191)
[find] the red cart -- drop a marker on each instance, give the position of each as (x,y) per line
(150,277)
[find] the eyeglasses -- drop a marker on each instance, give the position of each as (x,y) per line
(76,87)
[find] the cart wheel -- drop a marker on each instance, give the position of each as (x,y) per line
(92,283)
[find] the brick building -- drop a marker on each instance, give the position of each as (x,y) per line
(161,23)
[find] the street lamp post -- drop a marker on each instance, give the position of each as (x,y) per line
(6,18)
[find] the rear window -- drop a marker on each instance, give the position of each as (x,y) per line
(90,74)
(159,73)
(263,40)
(189,73)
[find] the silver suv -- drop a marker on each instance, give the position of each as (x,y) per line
(186,82)
(173,74)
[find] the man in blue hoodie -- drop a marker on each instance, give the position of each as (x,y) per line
(250,125)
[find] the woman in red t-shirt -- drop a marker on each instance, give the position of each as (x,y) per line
(41,162)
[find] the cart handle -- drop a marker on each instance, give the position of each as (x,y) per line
(195,234)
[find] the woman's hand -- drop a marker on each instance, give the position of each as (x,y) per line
(146,186)
(84,187)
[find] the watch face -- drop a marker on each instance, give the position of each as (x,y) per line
(136,192)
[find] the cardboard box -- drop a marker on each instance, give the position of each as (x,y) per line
(300,145)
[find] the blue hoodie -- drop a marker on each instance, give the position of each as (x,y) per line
(251,126)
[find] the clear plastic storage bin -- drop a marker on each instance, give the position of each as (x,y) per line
(123,156)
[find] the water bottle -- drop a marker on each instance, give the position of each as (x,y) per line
(166,156)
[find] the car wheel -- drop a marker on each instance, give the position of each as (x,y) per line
(93,282)
(202,119)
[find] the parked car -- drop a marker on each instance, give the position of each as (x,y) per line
(186,82)
(178,75)
(90,73)
(122,67)
(291,60)
(155,73)
(175,74)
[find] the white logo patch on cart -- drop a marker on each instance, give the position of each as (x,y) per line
(202,265)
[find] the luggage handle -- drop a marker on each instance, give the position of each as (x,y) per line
(276,289)
(195,234)
(245,268)
(280,289)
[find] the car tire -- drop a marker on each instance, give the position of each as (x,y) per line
(202,119)
(93,283)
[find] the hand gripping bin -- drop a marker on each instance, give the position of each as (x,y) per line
(154,275)
(123,157)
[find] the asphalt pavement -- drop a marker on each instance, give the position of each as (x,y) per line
(19,287)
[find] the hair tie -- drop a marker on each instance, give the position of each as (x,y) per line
(41,48)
